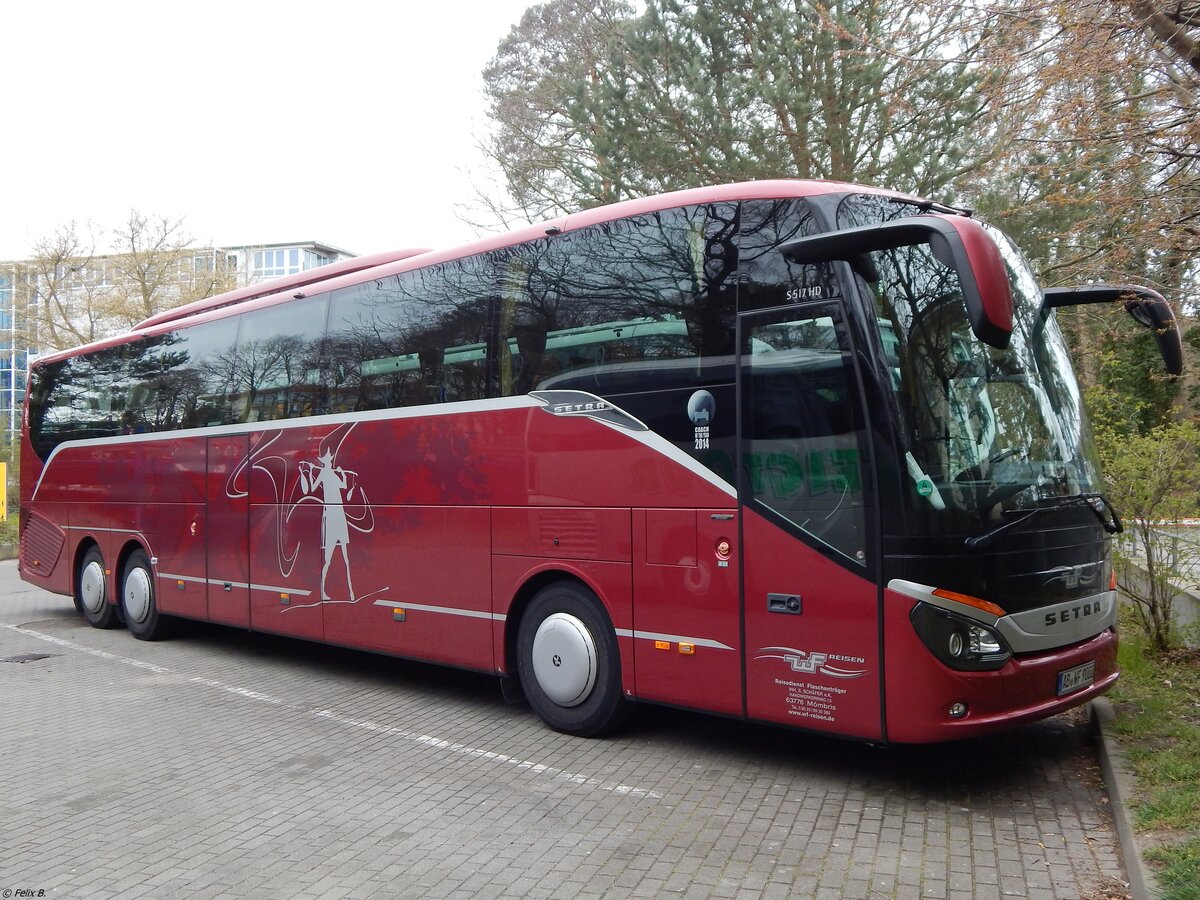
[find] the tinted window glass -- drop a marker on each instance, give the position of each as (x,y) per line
(770,278)
(163,396)
(198,371)
(78,399)
(599,308)
(278,370)
(419,337)
(803,429)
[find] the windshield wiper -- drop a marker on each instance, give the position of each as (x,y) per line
(1096,502)
(979,541)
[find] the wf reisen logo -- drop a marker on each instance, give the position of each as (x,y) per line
(810,663)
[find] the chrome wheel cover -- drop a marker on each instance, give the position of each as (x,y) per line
(564,659)
(91,587)
(137,594)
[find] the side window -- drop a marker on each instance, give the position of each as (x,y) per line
(768,278)
(803,429)
(277,374)
(367,366)
(198,369)
(45,386)
(410,339)
(78,399)
(457,308)
(180,379)
(602,308)
(159,397)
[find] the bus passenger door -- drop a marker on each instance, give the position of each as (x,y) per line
(228,526)
(810,601)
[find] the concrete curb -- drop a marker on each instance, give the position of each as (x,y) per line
(1120,784)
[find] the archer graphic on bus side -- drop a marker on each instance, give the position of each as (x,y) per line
(332,485)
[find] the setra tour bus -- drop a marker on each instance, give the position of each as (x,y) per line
(798,452)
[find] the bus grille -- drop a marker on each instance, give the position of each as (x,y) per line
(41,542)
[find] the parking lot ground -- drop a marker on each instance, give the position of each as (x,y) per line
(222,763)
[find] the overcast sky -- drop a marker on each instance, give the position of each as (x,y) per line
(258,121)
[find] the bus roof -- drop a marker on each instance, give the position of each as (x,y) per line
(278,285)
(381,265)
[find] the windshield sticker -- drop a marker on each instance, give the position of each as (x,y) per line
(702,409)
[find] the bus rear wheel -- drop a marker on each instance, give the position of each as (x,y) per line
(568,661)
(91,591)
(137,600)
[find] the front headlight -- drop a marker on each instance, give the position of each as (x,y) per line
(958,641)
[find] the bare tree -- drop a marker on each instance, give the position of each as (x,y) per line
(75,295)
(160,268)
(62,288)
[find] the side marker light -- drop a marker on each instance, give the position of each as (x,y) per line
(967,599)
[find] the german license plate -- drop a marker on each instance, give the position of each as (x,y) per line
(1071,680)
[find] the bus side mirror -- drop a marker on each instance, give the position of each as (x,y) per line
(1148,308)
(956,241)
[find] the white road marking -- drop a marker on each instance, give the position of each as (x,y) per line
(423,740)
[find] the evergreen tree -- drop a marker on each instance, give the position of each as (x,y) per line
(593,104)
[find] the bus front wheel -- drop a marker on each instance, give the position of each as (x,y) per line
(569,662)
(137,600)
(91,591)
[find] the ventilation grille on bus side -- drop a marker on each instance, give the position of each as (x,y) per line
(41,542)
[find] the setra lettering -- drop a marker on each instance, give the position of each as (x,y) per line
(1063,616)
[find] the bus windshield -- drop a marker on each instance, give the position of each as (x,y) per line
(982,430)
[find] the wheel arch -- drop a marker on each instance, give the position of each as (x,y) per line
(127,550)
(529,589)
(86,543)
(111,579)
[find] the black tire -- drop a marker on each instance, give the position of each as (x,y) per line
(568,661)
(138,604)
(91,591)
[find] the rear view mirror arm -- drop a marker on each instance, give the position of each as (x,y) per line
(1147,307)
(957,242)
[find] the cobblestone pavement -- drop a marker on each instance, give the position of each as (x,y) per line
(222,763)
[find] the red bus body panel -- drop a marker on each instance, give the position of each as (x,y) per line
(818,669)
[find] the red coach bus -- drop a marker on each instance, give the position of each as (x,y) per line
(798,452)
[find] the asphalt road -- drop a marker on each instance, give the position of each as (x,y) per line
(222,763)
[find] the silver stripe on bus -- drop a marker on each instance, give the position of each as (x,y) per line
(673,638)
(651,440)
(372,415)
(444,610)
(663,447)
(240,584)
(191,578)
(108,530)
(924,593)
